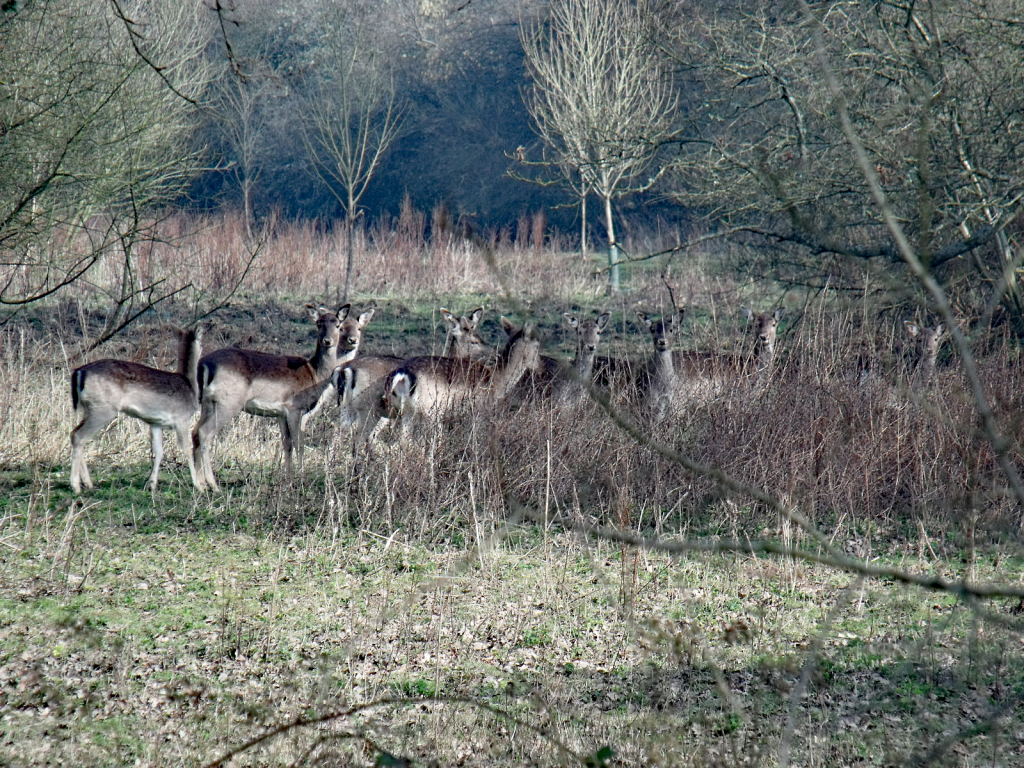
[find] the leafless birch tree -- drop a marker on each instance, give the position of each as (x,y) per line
(601,100)
(353,115)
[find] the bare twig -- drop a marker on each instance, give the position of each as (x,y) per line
(304,722)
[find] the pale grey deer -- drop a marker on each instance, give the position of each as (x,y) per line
(102,389)
(928,341)
(429,388)
(232,380)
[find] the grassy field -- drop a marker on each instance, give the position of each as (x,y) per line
(449,603)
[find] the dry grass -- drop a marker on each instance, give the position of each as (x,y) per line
(163,629)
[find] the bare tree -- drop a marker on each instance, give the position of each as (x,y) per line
(241,96)
(932,87)
(601,100)
(97,106)
(353,111)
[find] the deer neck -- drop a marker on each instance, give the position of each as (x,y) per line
(512,365)
(926,368)
(764,353)
(664,368)
(188,360)
(325,359)
(584,364)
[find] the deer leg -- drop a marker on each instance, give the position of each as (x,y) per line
(184,444)
(157,434)
(211,420)
(287,439)
(95,420)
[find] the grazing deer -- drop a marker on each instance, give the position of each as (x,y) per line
(433,387)
(104,388)
(928,341)
(232,380)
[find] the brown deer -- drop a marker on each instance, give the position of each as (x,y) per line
(360,383)
(647,380)
(657,381)
(463,339)
(105,388)
(698,371)
(433,387)
(928,341)
(233,380)
(556,379)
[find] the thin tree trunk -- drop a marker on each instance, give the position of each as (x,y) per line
(350,251)
(613,248)
(247,205)
(583,224)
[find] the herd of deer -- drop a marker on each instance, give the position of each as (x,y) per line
(372,390)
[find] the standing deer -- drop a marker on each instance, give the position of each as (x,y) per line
(700,371)
(657,381)
(232,380)
(360,383)
(104,388)
(928,342)
(433,387)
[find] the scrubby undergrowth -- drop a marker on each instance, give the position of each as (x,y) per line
(437,596)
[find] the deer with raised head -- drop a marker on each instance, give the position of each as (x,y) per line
(928,341)
(657,382)
(764,328)
(699,372)
(233,380)
(571,383)
(360,383)
(463,339)
(305,403)
(433,387)
(102,389)
(556,379)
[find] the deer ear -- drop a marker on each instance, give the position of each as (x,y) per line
(602,320)
(645,319)
(747,313)
(911,327)
(475,315)
(507,325)
(313,311)
(940,329)
(366,316)
(571,320)
(343,312)
(448,317)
